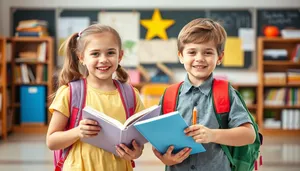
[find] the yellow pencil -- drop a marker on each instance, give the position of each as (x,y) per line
(194,116)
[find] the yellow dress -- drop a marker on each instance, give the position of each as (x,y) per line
(85,157)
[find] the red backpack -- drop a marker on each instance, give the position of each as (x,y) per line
(241,158)
(77,103)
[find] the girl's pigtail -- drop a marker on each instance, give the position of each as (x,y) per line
(122,75)
(70,70)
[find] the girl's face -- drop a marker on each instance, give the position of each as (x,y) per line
(199,61)
(101,56)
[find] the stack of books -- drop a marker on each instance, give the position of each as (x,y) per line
(32,28)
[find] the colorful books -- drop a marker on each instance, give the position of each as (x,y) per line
(113,132)
(166,130)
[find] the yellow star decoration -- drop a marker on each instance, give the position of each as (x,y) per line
(157,26)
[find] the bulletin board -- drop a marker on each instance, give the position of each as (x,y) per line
(232,20)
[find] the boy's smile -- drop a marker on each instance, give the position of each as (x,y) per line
(199,61)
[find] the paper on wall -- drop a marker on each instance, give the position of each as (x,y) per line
(248,39)
(156,50)
(127,25)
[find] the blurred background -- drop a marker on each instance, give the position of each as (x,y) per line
(262,61)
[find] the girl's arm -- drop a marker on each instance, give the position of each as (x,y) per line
(57,138)
(238,136)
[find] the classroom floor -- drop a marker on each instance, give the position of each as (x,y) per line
(29,152)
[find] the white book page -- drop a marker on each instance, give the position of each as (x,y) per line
(98,114)
(138,115)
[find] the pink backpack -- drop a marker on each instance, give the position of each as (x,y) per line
(77,103)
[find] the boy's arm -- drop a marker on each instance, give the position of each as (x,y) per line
(239,136)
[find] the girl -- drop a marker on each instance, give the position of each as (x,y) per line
(94,54)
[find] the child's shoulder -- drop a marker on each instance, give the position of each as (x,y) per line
(64,89)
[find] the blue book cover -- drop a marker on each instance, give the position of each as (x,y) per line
(166,130)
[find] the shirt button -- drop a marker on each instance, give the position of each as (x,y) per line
(193,167)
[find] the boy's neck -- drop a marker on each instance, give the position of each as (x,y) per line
(103,85)
(195,81)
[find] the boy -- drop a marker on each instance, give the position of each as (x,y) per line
(200,48)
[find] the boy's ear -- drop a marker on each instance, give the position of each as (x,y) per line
(121,56)
(220,58)
(180,57)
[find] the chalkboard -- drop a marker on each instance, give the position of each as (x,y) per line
(282,18)
(232,21)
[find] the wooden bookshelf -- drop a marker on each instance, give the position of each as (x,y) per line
(275,66)
(21,44)
(3,90)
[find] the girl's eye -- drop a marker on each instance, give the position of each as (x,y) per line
(95,54)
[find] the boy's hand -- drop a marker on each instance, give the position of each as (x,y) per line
(128,154)
(88,128)
(170,159)
(200,133)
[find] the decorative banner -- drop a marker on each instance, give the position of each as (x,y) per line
(128,26)
(157,26)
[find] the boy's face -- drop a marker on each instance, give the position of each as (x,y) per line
(199,60)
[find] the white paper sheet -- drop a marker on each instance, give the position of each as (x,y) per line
(153,51)
(128,26)
(248,39)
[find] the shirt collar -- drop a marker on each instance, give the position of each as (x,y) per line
(205,87)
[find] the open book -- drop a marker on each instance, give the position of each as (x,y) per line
(166,130)
(113,132)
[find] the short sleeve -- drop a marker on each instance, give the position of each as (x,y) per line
(61,101)
(139,104)
(238,114)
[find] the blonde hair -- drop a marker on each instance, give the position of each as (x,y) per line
(74,47)
(202,30)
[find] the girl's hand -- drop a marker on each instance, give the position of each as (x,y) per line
(170,159)
(88,128)
(200,133)
(128,154)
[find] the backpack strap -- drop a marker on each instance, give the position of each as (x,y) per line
(221,102)
(77,103)
(170,98)
(127,94)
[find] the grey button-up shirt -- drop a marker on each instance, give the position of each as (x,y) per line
(214,159)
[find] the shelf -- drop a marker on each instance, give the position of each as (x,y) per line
(30,128)
(282,107)
(32,84)
(252,107)
(280,63)
(283,85)
(279,40)
(14,105)
(280,132)
(32,62)
(30,39)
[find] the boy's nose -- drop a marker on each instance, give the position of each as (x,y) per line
(199,57)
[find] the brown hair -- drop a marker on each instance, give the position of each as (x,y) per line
(74,47)
(202,30)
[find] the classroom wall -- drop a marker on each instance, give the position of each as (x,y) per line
(237,76)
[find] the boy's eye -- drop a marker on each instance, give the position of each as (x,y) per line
(208,53)
(111,53)
(191,52)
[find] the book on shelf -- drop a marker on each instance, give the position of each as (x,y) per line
(166,130)
(113,132)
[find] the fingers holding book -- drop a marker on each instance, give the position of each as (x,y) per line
(171,159)
(88,128)
(130,154)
